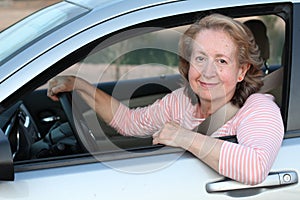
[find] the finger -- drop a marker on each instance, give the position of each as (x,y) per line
(156,134)
(53,89)
(58,89)
(155,137)
(51,84)
(154,141)
(52,96)
(49,91)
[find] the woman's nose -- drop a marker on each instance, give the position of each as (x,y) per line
(209,70)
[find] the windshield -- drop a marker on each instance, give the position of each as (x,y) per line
(29,29)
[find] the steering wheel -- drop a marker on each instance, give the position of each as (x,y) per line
(21,132)
(74,107)
(11,132)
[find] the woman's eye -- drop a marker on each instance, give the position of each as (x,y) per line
(199,58)
(222,61)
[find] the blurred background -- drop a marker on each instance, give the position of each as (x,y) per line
(12,11)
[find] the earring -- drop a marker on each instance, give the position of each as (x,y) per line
(240,78)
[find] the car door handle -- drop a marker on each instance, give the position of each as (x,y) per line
(275,179)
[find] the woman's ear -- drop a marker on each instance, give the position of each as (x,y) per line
(243,70)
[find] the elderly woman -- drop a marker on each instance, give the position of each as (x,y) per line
(221,63)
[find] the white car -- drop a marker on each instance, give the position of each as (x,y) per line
(128,48)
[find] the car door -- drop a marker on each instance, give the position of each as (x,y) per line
(147,171)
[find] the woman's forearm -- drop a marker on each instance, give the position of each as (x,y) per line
(206,149)
(104,105)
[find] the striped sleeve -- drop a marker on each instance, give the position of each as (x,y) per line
(147,120)
(259,133)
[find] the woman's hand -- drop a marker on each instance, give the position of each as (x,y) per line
(174,135)
(60,84)
(204,147)
(104,105)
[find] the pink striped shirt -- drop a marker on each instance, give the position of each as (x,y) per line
(258,126)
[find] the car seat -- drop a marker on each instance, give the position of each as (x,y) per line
(259,31)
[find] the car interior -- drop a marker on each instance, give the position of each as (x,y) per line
(39,128)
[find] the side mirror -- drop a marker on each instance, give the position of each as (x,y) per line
(6,160)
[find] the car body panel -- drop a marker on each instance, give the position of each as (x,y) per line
(178,176)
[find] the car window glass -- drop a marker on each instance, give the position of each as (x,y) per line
(276,34)
(155,54)
(34,26)
(147,55)
(271,43)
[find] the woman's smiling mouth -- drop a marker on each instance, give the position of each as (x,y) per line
(207,85)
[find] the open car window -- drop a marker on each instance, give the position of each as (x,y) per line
(137,67)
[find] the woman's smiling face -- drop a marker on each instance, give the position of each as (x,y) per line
(214,67)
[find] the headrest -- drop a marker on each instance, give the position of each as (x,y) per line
(259,31)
